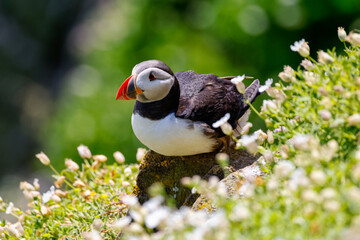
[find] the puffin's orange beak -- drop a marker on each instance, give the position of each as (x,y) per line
(128,90)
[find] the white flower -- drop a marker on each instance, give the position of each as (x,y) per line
(301,47)
(47,196)
(221,121)
(129,200)
(119,224)
(301,141)
(240,212)
(266,86)
(297,45)
(240,86)
(318,177)
(127,171)
(298,178)
(238,79)
(9,208)
(310,195)
(284,168)
(93,235)
(246,139)
(269,104)
(328,193)
(332,205)
(155,217)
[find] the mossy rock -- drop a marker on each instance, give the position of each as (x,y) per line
(156,168)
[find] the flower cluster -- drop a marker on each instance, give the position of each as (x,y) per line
(84,201)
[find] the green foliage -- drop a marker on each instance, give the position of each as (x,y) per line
(92,196)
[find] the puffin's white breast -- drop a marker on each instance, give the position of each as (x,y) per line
(171,136)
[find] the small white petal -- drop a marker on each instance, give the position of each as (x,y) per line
(9,208)
(297,45)
(238,79)
(153,219)
(266,86)
(221,121)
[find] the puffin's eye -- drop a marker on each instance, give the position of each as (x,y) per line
(151,77)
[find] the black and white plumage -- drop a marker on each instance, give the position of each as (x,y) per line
(174,113)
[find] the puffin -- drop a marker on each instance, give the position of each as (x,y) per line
(174,114)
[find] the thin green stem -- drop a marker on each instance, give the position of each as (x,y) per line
(252,107)
(54,170)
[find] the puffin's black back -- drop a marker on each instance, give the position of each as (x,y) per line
(207,98)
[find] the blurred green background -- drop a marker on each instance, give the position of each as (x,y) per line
(62,62)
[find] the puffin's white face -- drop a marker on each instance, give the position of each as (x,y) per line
(154,83)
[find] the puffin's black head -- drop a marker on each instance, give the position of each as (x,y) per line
(150,81)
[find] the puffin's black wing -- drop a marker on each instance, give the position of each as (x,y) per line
(207,98)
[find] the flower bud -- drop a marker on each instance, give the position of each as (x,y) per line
(269,105)
(58,183)
(226,128)
(304,49)
(288,75)
(79,184)
(309,77)
(327,103)
(43,158)
(97,224)
(325,114)
(324,57)
(45,210)
(84,151)
(341,34)
(354,119)
(240,86)
(318,177)
(354,39)
(119,157)
(307,64)
(125,184)
(332,205)
(55,198)
(100,158)
(246,128)
(26,186)
(270,138)
(284,168)
(71,165)
(140,154)
(268,156)
(261,137)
